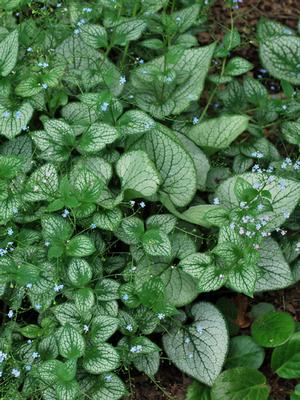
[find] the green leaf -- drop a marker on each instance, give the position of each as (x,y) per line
(273,329)
(291,131)
(103,327)
(198,391)
(56,141)
(165,222)
(260,309)
(185,18)
(201,162)
(107,290)
(147,363)
(84,299)
(80,246)
(79,272)
(86,66)
(127,31)
(275,271)
(12,122)
(29,87)
(131,230)
(135,122)
(193,64)
(154,44)
(280,55)
(231,40)
(255,91)
(156,243)
(71,343)
(100,358)
(244,352)
(237,66)
(108,386)
(108,219)
(206,215)
(31,331)
(128,295)
(96,137)
(244,191)
(218,133)
(20,147)
(181,288)
(67,313)
(201,267)
(269,27)
(21,274)
(86,183)
(138,173)
(8,53)
(42,184)
(94,35)
(199,349)
(285,359)
(98,166)
(152,294)
(176,167)
(285,194)
(48,348)
(10,166)
(240,383)
(67,390)
(55,228)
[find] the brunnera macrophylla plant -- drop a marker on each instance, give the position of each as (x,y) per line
(123,201)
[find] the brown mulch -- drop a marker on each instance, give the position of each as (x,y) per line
(171,380)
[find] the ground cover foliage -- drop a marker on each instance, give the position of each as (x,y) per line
(142,174)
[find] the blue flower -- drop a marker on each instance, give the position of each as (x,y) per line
(15,372)
(3,356)
(57,288)
(10,231)
(104,106)
(282,184)
(122,80)
(6,114)
(3,252)
(108,378)
(125,297)
(65,213)
(81,22)
(136,349)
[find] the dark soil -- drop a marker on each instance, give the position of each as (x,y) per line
(170,383)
